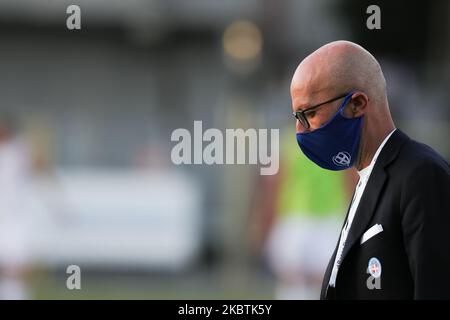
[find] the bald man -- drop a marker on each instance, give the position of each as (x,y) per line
(394,243)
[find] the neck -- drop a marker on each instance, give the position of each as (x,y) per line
(370,142)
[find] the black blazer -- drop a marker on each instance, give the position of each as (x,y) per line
(408,193)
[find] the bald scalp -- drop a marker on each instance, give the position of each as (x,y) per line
(338,67)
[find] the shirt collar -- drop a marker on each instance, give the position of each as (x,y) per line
(367,170)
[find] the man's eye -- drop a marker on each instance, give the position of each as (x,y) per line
(310,114)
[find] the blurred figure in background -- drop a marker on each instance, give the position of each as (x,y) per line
(303,233)
(14,221)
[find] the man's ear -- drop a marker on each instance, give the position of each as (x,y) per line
(358,104)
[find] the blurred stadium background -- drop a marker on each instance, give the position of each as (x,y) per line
(92,112)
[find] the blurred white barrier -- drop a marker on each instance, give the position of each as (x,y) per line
(119,218)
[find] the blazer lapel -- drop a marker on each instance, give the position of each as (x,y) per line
(366,208)
(361,220)
(326,278)
(373,190)
(368,202)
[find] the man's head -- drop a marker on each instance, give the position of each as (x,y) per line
(334,70)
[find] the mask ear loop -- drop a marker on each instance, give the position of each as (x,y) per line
(344,103)
(340,110)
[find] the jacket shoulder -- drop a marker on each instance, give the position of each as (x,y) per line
(415,157)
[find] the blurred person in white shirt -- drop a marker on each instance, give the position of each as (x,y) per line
(14,222)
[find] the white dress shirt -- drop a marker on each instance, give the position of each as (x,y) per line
(364,175)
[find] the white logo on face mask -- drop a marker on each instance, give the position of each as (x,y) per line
(343,158)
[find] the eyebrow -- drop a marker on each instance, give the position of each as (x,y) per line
(308,107)
(299,108)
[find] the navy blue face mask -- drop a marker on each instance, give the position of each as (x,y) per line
(333,146)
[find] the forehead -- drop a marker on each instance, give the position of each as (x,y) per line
(309,85)
(304,97)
